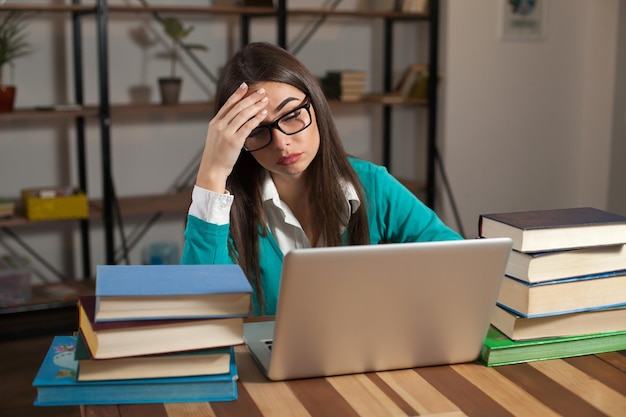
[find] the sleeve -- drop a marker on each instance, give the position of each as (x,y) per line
(205,243)
(209,206)
(208,228)
(398,215)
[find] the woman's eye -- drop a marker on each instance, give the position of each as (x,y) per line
(293,115)
(256,132)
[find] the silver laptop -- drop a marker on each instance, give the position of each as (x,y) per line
(354,309)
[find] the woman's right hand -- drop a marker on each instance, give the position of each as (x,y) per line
(226,135)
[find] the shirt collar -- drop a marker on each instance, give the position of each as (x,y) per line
(270,193)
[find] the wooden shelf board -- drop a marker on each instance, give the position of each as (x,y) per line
(193,9)
(33,114)
(129,206)
(47,8)
(205,107)
(146,204)
(121,110)
(268,11)
(19,219)
(55,295)
(356,13)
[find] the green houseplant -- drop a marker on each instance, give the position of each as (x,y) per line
(177,32)
(13,45)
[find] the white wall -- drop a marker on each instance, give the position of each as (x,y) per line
(523,125)
(528,125)
(617,196)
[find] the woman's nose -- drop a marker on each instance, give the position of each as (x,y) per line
(281,140)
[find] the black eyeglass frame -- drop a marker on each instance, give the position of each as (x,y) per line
(276,124)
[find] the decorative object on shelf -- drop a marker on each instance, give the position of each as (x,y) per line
(13,44)
(141,92)
(14,280)
(413,82)
(7,208)
(54,203)
(161,253)
(177,32)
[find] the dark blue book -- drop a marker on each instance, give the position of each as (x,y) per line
(148,292)
(56,383)
(556,229)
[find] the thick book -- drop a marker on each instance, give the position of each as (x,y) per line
(197,362)
(517,327)
(563,296)
(546,230)
(569,263)
(116,339)
(56,383)
(498,349)
(135,292)
(344,86)
(346,75)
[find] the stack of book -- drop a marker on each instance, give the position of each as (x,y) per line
(7,208)
(564,292)
(344,85)
(151,333)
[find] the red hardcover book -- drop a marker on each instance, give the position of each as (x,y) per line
(147,337)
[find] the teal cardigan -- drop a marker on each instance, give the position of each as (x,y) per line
(394,214)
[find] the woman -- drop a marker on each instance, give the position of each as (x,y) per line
(274,176)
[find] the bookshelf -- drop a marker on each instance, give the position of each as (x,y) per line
(105,113)
(282,14)
(75,12)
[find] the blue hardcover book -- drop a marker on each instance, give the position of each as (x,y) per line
(145,292)
(569,295)
(56,383)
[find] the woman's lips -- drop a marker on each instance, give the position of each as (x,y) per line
(290,159)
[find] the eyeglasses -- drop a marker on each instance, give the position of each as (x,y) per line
(291,123)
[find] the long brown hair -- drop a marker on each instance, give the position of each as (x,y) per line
(259,62)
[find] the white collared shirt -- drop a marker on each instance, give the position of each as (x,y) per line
(286,229)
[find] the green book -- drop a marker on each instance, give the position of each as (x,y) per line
(498,349)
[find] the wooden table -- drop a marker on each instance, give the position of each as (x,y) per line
(583,386)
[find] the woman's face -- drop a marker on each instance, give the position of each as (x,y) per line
(287,155)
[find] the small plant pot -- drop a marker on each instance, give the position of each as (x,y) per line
(7,98)
(170,90)
(140,94)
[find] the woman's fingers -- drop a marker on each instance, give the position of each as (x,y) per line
(239,115)
(226,135)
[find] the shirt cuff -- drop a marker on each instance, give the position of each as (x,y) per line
(210,206)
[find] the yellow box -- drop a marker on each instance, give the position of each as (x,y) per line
(55,203)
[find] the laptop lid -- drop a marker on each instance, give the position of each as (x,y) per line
(356,309)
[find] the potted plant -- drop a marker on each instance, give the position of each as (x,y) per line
(13,45)
(177,32)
